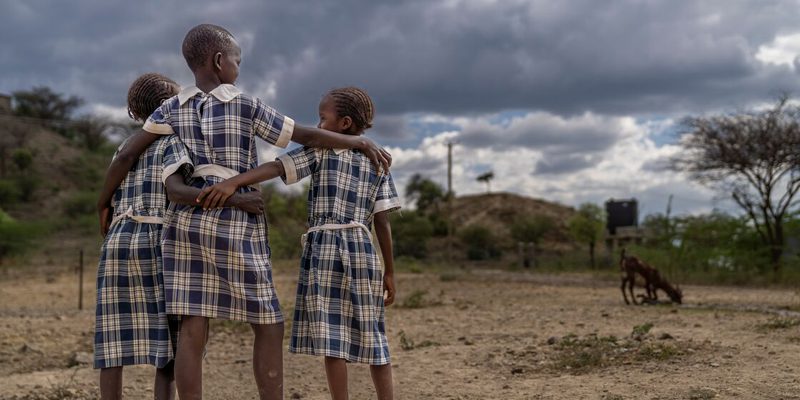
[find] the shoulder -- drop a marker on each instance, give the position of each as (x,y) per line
(171,103)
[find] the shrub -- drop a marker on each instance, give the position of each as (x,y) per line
(9,192)
(23,158)
(27,186)
(80,203)
(480,243)
(410,234)
(15,237)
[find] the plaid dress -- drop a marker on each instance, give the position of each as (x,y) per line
(216,262)
(339,309)
(131,324)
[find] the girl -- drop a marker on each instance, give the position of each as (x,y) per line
(131,323)
(339,310)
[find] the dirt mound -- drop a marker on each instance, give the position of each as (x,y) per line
(498,211)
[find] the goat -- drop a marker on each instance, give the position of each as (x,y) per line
(630,266)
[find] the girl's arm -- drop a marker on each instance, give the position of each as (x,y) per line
(181,193)
(217,195)
(321,138)
(384,232)
(117,170)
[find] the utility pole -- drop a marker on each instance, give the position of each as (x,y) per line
(450,196)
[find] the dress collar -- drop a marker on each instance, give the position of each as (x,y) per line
(223,93)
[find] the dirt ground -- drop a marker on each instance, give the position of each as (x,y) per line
(478,334)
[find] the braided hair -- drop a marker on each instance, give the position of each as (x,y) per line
(203,41)
(146,94)
(354,103)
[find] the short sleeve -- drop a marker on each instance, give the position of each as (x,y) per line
(298,163)
(272,126)
(159,121)
(387,198)
(176,159)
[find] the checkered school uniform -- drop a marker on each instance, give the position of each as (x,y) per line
(339,309)
(216,262)
(131,324)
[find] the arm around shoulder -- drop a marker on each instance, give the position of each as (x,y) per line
(122,163)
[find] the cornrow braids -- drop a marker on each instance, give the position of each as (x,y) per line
(203,41)
(146,94)
(354,103)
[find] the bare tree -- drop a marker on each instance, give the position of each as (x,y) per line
(486,178)
(753,156)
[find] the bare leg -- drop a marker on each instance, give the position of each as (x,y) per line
(164,388)
(630,289)
(382,379)
(624,296)
(111,383)
(268,360)
(336,370)
(189,357)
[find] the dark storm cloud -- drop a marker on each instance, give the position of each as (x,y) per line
(446,57)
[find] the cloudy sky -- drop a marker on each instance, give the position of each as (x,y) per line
(570,101)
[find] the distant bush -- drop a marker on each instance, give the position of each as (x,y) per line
(27,186)
(23,158)
(480,243)
(15,237)
(284,240)
(410,234)
(9,192)
(80,203)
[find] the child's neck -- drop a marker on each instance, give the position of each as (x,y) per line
(206,82)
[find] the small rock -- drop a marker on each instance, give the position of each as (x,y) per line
(552,340)
(506,386)
(674,311)
(665,336)
(462,338)
(80,358)
(468,342)
(296,396)
(517,370)
(604,315)
(26,348)
(714,364)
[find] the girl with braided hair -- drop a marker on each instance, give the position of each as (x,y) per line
(339,307)
(131,325)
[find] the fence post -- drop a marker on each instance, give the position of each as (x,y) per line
(80,281)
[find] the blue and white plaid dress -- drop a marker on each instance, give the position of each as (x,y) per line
(216,262)
(339,309)
(131,320)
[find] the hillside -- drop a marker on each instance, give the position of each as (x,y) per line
(48,183)
(498,212)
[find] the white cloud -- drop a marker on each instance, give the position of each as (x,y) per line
(782,50)
(625,165)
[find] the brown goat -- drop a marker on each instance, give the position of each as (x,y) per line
(630,266)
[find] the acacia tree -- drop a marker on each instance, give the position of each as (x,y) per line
(43,103)
(752,156)
(587,226)
(487,179)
